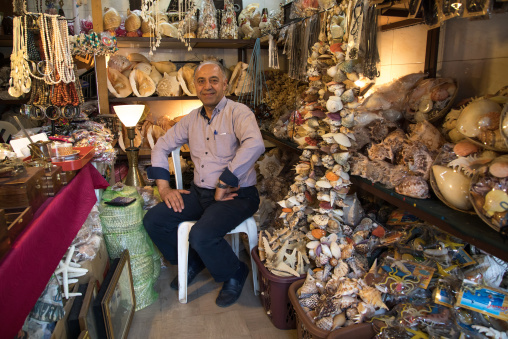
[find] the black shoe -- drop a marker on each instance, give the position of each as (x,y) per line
(232,288)
(192,271)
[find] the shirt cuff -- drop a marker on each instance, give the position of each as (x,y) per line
(154,173)
(229,178)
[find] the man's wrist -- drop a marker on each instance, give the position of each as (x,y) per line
(222,185)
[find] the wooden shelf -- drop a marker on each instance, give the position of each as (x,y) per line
(467,227)
(131,99)
(172,43)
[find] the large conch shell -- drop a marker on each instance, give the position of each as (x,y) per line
(186,79)
(141,83)
(164,66)
(155,75)
(133,21)
(111,19)
(168,29)
(119,62)
(245,83)
(137,57)
(118,84)
(143,67)
(168,86)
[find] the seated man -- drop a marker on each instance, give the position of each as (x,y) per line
(225,142)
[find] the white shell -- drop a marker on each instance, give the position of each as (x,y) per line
(143,67)
(342,139)
(467,123)
(155,75)
(335,249)
(142,85)
(326,250)
(313,244)
(323,184)
(453,185)
(332,71)
(321,220)
(334,104)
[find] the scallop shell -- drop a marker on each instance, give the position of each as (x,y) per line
(168,86)
(141,83)
(111,19)
(164,66)
(132,22)
(118,84)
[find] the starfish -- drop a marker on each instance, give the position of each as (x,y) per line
(68,270)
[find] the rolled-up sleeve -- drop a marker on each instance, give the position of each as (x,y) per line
(250,149)
(175,137)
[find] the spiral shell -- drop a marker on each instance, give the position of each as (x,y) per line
(325,323)
(310,302)
(372,296)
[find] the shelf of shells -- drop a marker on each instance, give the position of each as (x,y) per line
(173,43)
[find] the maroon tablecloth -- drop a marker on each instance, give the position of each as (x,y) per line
(27,268)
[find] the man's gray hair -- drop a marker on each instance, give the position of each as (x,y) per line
(211,62)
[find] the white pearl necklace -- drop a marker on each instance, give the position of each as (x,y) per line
(49,66)
(19,81)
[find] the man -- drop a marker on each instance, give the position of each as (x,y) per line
(225,142)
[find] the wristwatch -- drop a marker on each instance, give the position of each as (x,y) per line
(219,185)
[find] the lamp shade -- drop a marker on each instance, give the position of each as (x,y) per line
(129,114)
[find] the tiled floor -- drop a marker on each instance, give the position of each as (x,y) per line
(200,317)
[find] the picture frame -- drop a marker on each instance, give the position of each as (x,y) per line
(86,314)
(119,302)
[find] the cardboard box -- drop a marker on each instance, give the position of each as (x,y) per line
(98,267)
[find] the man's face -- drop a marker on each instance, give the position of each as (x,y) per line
(210,84)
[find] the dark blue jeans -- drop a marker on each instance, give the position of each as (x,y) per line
(206,238)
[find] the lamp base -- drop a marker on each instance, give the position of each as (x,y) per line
(133,177)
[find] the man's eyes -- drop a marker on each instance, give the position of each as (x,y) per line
(213,81)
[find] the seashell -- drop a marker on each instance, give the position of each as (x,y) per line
(321,220)
(341,158)
(323,184)
(342,139)
(467,122)
(111,19)
(353,76)
(168,29)
(346,301)
(141,83)
(326,250)
(347,287)
(168,86)
(328,138)
(311,183)
(310,302)
(164,66)
(351,312)
(145,68)
(303,169)
(453,185)
(338,321)
(186,79)
(332,71)
(494,200)
(493,139)
(318,233)
(341,269)
(334,104)
(331,176)
(346,251)
(137,57)
(155,75)
(118,84)
(499,168)
(308,288)
(413,186)
(490,121)
(372,296)
(464,148)
(322,260)
(119,62)
(335,249)
(132,22)
(348,96)
(325,323)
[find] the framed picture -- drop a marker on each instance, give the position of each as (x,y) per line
(119,302)
(86,314)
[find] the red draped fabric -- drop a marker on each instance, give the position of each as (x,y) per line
(35,254)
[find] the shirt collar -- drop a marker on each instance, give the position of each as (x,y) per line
(222,103)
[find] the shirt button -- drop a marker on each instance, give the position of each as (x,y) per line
(207,138)
(206,152)
(202,181)
(202,166)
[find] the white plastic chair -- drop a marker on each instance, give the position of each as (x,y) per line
(248,226)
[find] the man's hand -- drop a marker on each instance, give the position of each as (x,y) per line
(224,194)
(172,197)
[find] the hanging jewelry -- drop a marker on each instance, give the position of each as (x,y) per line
(371,51)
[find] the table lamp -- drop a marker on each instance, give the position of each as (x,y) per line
(129,115)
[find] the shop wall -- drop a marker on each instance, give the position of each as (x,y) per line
(475,53)
(401,51)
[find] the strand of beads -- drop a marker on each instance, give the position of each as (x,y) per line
(49,65)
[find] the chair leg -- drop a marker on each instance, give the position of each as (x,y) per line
(183,258)
(235,243)
(252,234)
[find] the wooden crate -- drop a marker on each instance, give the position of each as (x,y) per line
(17,220)
(53,181)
